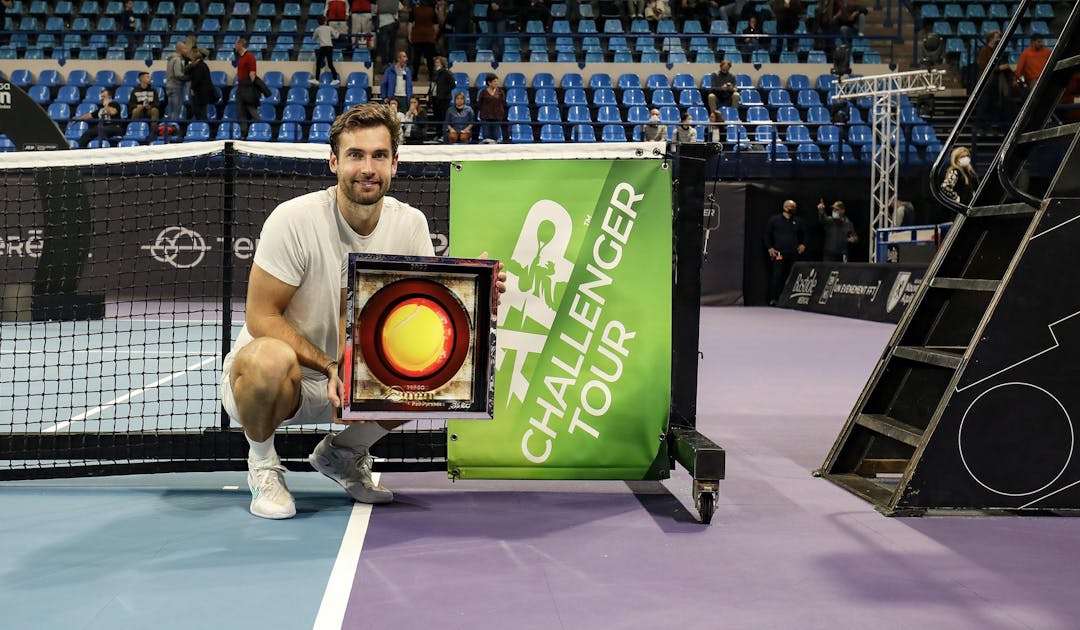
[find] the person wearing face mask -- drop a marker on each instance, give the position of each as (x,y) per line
(685,132)
(839,231)
(960,180)
(785,240)
(653,131)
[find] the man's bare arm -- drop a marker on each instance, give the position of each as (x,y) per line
(266,301)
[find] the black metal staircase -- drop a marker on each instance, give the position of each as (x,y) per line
(975,402)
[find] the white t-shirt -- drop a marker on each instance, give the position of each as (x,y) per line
(305,243)
(324,35)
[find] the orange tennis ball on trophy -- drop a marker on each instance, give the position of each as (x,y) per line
(417,337)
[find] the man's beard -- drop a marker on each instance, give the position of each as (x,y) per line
(363,198)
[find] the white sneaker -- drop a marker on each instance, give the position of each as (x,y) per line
(336,82)
(270,496)
(351,469)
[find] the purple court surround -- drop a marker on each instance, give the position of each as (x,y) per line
(785,550)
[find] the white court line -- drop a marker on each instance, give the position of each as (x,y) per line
(1053,228)
(126,397)
(336,597)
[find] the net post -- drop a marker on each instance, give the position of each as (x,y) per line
(228,217)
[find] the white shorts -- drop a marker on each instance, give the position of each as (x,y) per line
(314,408)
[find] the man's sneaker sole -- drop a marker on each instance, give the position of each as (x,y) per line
(377,499)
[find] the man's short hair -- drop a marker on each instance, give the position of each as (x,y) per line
(489,78)
(366,116)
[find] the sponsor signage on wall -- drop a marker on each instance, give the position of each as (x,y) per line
(865,291)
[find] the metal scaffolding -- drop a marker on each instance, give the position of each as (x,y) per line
(885,90)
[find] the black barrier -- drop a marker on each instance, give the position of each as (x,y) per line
(878,293)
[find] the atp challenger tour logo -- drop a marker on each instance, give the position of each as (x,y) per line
(565,354)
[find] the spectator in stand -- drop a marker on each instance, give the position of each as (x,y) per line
(635,8)
(903,213)
(386,15)
(459,24)
(144,101)
(749,44)
(685,131)
(653,131)
(656,10)
(960,180)
(442,14)
(104,121)
(397,82)
(724,91)
(731,10)
(715,131)
(788,13)
(360,12)
(203,91)
(537,10)
(324,54)
(176,80)
(498,12)
(849,18)
(839,231)
(336,13)
(994,106)
(439,89)
(412,128)
(491,106)
(423,31)
(459,121)
(785,241)
(128,23)
(4,6)
(247,94)
(1032,62)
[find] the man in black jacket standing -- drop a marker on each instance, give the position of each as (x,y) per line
(785,240)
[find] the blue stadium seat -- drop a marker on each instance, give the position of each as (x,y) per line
(267,111)
(842,152)
(518,114)
(663,97)
(613,133)
(750,97)
(574,96)
(657,82)
(546,96)
(808,152)
(521,134)
(548,114)
(69,94)
(923,135)
(40,94)
(294,113)
(543,80)
(138,131)
(769,82)
(779,98)
(628,80)
(228,131)
(515,80)
(326,95)
(260,132)
(860,136)
(633,97)
(60,112)
(828,134)
(552,133)
(757,114)
(583,133)
(105,77)
(290,132)
(517,96)
(297,96)
(818,115)
(690,98)
(604,96)
(355,96)
(788,114)
(198,131)
(50,78)
(323,113)
(320,132)
(571,80)
(578,114)
(600,80)
(797,134)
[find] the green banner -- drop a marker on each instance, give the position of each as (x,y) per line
(583,361)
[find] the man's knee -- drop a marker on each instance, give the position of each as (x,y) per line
(265,366)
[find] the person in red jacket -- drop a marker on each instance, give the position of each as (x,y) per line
(1031,64)
(337,16)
